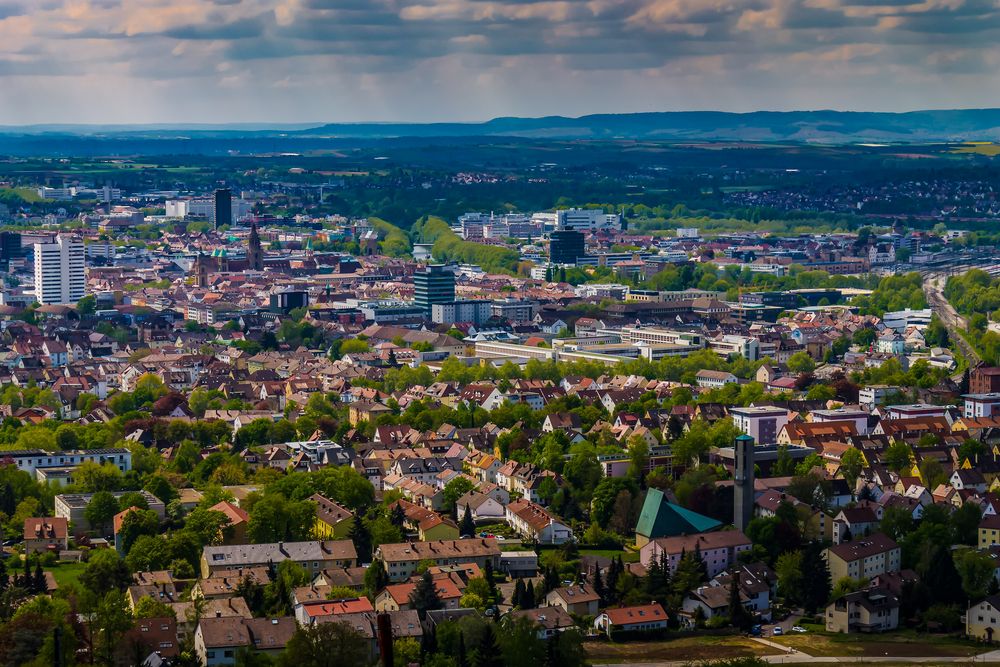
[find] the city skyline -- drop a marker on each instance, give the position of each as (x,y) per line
(283,61)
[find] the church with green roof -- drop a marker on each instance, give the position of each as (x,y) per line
(662,518)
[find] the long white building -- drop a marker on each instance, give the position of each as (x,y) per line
(60,276)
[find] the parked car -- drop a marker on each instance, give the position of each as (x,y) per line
(777,631)
(755,631)
(798,628)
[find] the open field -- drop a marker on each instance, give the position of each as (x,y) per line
(66,573)
(898,644)
(684,648)
(627,556)
(979,148)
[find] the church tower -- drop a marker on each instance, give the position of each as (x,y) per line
(255,255)
(201,271)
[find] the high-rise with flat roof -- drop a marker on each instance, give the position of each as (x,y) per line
(60,277)
(223,213)
(431,285)
(566,246)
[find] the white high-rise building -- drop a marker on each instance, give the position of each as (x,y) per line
(60,277)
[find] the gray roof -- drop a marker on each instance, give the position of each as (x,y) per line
(276,552)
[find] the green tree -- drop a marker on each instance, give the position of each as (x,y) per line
(801,362)
(851,464)
(104,572)
(101,509)
(424,597)
(325,645)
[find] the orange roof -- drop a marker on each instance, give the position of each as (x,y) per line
(336,607)
(232,512)
(638,614)
(446,588)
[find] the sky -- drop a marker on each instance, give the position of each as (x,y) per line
(224,61)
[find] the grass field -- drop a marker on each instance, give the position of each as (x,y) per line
(979,148)
(627,556)
(682,648)
(66,573)
(901,644)
(29,195)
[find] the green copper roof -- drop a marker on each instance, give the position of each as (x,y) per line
(662,518)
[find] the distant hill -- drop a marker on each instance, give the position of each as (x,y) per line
(798,126)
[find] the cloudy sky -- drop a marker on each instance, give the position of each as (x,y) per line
(148,61)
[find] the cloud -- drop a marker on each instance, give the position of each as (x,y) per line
(218,60)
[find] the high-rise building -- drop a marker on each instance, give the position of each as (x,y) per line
(565,246)
(434,284)
(255,255)
(10,248)
(60,277)
(743,491)
(223,212)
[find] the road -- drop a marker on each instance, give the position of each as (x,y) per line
(953,322)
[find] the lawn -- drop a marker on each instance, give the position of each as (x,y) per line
(66,573)
(902,644)
(627,556)
(683,648)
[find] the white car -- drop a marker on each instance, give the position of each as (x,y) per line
(798,628)
(777,631)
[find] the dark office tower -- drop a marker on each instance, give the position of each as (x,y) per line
(223,207)
(743,499)
(255,255)
(434,284)
(10,248)
(565,246)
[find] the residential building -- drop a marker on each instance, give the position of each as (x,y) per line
(863,558)
(333,522)
(217,640)
(60,274)
(867,610)
(534,522)
(982,620)
(45,534)
(718,550)
(313,556)
(641,618)
(760,422)
(578,599)
(401,560)
(981,405)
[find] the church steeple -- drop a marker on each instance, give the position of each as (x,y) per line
(255,255)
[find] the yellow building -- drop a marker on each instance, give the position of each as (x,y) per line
(333,522)
(989,531)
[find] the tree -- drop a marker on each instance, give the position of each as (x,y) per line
(468,526)
(134,524)
(149,607)
(325,645)
(274,518)
(95,477)
(977,570)
(815,578)
(638,454)
(897,457)
(454,490)
(488,653)
(520,645)
(789,571)
(108,624)
(101,509)
(896,522)
(425,597)
(801,362)
(739,617)
(851,463)
(105,572)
